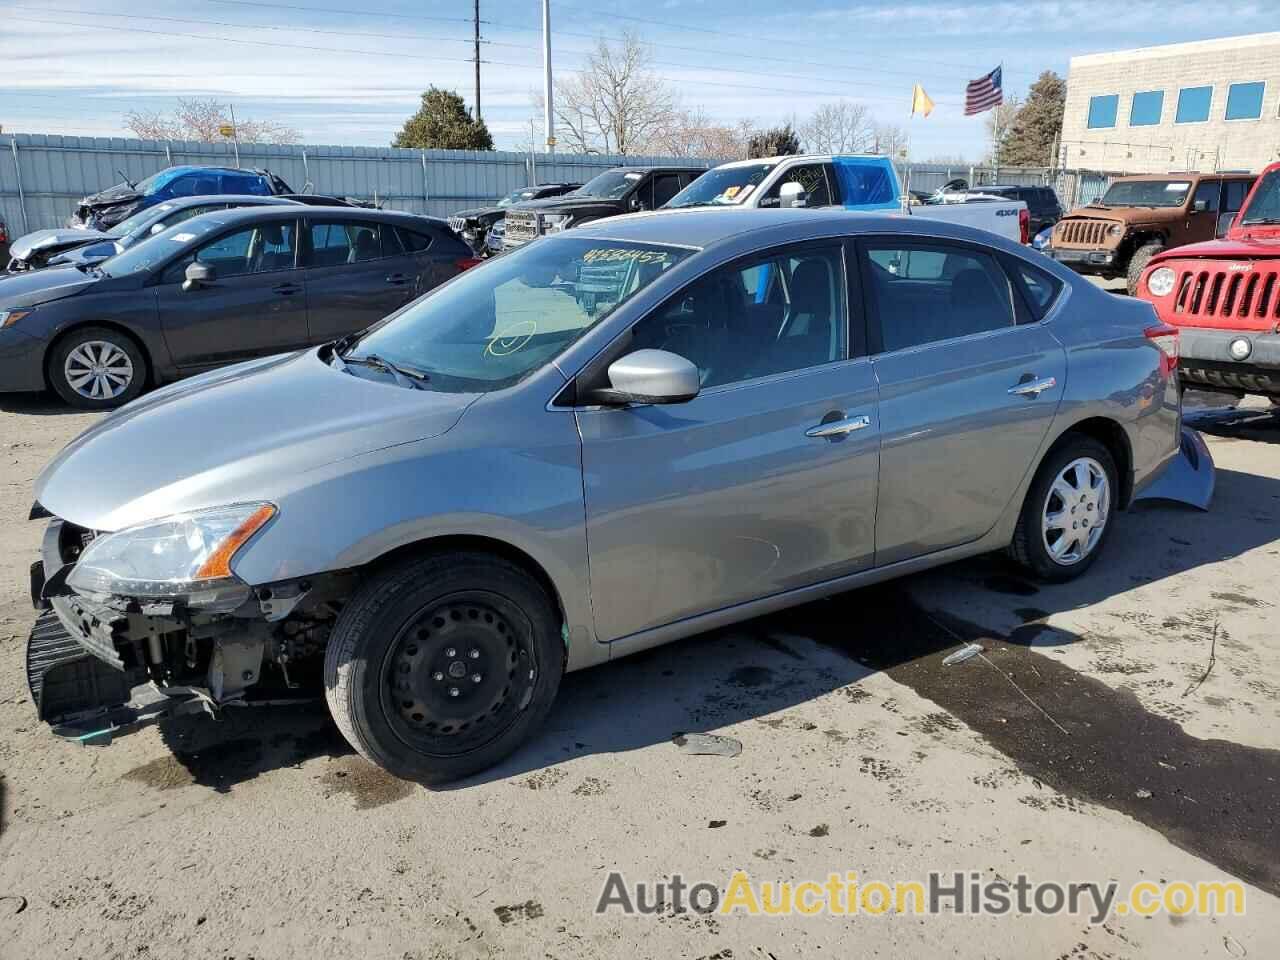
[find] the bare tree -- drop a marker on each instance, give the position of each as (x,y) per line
(691,133)
(201,120)
(892,140)
(615,104)
(839,127)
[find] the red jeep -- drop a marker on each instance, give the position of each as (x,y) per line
(1224,296)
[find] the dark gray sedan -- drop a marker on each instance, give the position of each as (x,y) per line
(611,438)
(215,289)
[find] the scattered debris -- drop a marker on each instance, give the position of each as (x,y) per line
(716,824)
(12,904)
(1143,794)
(707,744)
(821,830)
(1234,946)
(963,654)
(1194,685)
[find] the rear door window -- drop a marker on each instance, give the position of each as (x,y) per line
(244,183)
(412,241)
(928,292)
(336,242)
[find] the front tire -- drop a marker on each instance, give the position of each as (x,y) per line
(97,368)
(1069,511)
(442,666)
(1138,263)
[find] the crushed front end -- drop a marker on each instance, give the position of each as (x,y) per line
(108,655)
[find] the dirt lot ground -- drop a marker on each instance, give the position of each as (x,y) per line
(1123,727)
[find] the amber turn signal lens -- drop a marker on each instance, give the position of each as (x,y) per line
(219,563)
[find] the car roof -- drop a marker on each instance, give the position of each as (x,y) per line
(239,214)
(189,167)
(245,198)
(702,227)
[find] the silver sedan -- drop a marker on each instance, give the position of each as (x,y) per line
(610,439)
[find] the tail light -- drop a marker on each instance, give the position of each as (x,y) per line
(1024,225)
(4,234)
(1165,337)
(466,263)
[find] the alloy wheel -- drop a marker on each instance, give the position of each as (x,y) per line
(98,370)
(1076,511)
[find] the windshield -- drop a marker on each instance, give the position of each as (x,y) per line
(515,196)
(1264,205)
(610,185)
(158,181)
(140,220)
(157,249)
(497,323)
(1146,193)
(726,185)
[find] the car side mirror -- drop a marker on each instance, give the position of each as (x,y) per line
(1200,206)
(636,203)
(648,376)
(791,194)
(198,274)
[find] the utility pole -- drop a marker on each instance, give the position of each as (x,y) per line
(548,112)
(477,49)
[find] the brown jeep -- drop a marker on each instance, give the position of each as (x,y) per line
(1116,235)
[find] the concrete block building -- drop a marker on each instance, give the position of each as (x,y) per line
(1207,105)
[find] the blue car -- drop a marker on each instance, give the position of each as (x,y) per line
(108,207)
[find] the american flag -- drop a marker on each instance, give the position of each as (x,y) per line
(983,93)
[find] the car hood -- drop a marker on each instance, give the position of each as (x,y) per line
(244,433)
(566,202)
(58,239)
(29,288)
(1241,247)
(120,193)
(475,213)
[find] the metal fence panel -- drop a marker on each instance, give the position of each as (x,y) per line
(43,175)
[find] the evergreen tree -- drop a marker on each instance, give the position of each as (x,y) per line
(443,122)
(776,142)
(1028,141)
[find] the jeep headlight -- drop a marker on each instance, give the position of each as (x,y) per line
(1117,230)
(555,222)
(1161,281)
(185,558)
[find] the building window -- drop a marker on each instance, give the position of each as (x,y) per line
(1193,104)
(1146,108)
(1244,101)
(1102,111)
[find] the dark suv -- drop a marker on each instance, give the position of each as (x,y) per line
(620,190)
(108,207)
(1042,202)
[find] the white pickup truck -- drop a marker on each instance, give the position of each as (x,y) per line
(857,182)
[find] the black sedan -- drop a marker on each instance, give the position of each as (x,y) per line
(215,289)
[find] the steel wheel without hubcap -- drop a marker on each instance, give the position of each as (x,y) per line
(459,673)
(1076,511)
(98,370)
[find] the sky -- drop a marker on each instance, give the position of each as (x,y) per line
(345,72)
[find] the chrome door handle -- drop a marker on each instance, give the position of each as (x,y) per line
(1033,388)
(838,428)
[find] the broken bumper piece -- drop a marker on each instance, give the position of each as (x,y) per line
(84,697)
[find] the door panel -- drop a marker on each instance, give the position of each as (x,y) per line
(255,304)
(724,499)
(350,282)
(955,443)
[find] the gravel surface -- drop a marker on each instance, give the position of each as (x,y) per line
(1123,727)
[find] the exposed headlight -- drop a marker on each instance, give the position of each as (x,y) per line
(499,227)
(9,317)
(555,222)
(1161,281)
(1117,230)
(185,557)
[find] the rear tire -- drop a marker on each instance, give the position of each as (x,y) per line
(1073,495)
(1138,263)
(442,666)
(97,368)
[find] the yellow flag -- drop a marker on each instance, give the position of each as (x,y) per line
(920,102)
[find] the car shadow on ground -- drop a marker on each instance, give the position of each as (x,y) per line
(47,404)
(1258,424)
